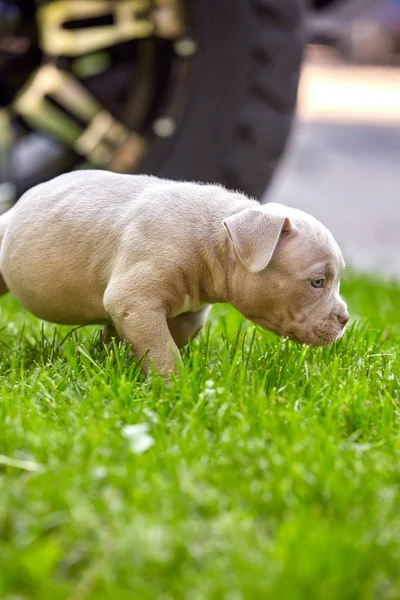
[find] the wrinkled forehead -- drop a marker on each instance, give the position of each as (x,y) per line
(313,248)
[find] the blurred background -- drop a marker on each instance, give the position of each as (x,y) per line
(343,159)
(207,90)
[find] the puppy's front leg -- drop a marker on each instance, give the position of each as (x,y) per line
(146,330)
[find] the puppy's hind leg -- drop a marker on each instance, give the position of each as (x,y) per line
(3,286)
(187,325)
(108,333)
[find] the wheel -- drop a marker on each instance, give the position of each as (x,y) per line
(199,90)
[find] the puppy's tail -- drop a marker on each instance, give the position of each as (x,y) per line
(4,220)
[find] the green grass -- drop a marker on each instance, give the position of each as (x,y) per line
(274,470)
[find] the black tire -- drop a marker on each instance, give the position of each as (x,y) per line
(232,101)
(244,93)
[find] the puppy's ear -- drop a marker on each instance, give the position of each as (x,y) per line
(254,235)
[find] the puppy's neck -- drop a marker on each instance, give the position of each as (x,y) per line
(218,271)
(218,266)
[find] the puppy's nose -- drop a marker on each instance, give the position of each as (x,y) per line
(343,318)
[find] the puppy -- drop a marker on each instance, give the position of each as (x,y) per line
(149,256)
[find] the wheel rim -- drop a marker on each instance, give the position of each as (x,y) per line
(93,83)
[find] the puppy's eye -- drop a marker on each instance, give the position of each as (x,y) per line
(317,283)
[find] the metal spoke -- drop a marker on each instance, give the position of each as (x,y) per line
(56,103)
(7,188)
(131,19)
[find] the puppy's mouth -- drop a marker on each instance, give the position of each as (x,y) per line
(317,337)
(312,337)
(274,328)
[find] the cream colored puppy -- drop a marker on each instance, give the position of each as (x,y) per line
(149,256)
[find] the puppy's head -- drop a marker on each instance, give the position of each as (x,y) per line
(286,273)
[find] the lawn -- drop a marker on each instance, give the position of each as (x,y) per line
(268,471)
